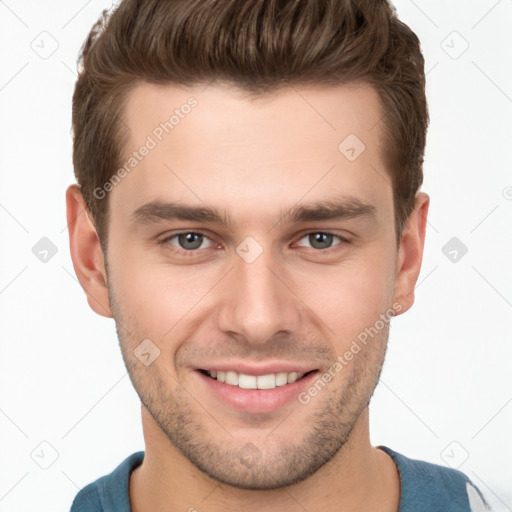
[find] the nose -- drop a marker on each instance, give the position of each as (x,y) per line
(257,301)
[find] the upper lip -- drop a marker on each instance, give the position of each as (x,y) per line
(258,369)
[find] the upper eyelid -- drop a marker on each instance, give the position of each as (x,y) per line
(342,239)
(167,238)
(174,235)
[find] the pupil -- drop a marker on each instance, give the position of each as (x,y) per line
(320,240)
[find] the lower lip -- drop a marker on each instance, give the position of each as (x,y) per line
(257,400)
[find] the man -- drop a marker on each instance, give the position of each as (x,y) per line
(248,211)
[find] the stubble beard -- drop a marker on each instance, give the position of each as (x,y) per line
(272,465)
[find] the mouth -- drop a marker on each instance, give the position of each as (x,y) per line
(254,388)
(246,381)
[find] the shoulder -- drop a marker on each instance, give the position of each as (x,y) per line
(110,492)
(431,487)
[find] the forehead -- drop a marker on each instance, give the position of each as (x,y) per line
(217,145)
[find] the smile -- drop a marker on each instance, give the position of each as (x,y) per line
(245,381)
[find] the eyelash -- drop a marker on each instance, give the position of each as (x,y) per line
(165,242)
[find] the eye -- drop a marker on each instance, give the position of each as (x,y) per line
(321,240)
(188,241)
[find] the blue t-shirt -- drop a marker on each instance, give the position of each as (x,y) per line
(424,487)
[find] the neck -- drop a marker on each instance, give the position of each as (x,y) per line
(358,477)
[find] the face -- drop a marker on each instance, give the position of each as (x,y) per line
(253,241)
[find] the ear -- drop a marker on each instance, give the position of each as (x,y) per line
(86,252)
(410,253)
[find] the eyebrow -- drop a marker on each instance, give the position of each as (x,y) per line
(332,209)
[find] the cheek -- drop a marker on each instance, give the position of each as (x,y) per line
(153,297)
(350,297)
(156,298)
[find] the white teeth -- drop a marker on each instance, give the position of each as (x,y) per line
(231,378)
(292,377)
(266,381)
(245,381)
(281,379)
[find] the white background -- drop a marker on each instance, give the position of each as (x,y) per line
(446,390)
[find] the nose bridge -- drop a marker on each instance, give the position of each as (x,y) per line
(256,303)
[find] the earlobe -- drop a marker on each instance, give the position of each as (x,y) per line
(410,253)
(86,252)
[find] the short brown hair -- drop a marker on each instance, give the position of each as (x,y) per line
(258,46)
